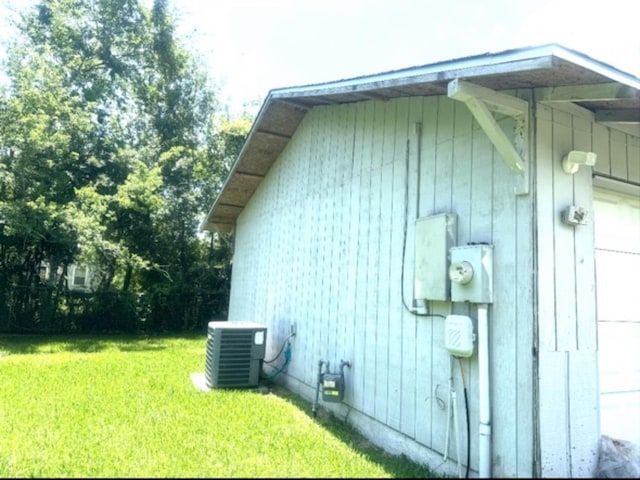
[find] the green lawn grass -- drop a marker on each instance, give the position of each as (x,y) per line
(99,406)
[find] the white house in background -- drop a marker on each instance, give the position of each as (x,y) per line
(355,204)
(79,277)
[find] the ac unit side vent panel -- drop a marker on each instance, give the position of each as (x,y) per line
(234,353)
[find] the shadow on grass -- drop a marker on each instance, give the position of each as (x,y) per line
(31,344)
(397,466)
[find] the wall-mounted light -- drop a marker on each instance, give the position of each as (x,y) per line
(572,160)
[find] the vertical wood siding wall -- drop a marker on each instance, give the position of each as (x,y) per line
(568,368)
(321,245)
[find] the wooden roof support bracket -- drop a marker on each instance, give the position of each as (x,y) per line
(482,101)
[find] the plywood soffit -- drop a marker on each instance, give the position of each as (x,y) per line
(555,75)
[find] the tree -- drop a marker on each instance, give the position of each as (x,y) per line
(110,153)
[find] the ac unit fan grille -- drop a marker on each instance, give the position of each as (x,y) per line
(232,359)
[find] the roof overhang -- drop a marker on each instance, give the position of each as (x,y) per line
(557,75)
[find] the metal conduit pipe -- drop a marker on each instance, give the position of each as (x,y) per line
(314,409)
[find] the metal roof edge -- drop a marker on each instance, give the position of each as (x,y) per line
(596,66)
(485,60)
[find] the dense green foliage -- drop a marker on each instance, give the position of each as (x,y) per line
(111,152)
(125,406)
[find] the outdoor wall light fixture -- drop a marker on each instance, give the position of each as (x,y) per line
(571,161)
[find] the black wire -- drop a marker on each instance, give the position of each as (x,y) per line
(466,409)
(281,349)
(406,221)
(276,371)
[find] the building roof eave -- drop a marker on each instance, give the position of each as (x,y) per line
(544,68)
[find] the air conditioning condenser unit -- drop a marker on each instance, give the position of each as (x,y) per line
(235,351)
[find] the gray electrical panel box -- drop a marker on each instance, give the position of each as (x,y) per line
(471,273)
(434,236)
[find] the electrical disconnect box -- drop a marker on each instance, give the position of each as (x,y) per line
(471,273)
(434,236)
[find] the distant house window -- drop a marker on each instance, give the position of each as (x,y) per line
(44,273)
(80,277)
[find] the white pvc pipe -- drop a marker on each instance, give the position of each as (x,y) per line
(446,443)
(484,445)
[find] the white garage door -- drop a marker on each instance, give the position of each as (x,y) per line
(617,243)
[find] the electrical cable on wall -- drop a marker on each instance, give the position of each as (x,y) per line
(286,348)
(445,455)
(287,359)
(466,408)
(284,343)
(406,221)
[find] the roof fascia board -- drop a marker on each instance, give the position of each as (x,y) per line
(595,66)
(234,167)
(586,93)
(429,74)
(487,64)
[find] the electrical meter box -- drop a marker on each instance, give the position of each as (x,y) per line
(471,273)
(434,236)
(332,387)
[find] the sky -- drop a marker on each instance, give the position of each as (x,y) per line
(252,46)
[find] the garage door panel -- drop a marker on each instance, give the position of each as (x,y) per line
(618,291)
(617,222)
(617,257)
(619,367)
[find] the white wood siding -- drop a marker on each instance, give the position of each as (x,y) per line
(566,287)
(321,243)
